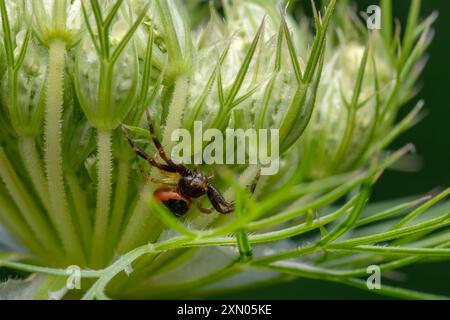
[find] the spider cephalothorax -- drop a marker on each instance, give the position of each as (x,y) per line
(181,185)
(194,185)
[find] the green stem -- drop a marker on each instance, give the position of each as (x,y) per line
(322,274)
(120,201)
(81,209)
(104,95)
(50,287)
(206,220)
(12,220)
(32,162)
(187,288)
(142,226)
(345,142)
(387,20)
(53,158)
(138,229)
(104,190)
(424,207)
(409,37)
(31,213)
(59,14)
(114,270)
(243,244)
(176,111)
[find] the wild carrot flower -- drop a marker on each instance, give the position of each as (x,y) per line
(78,74)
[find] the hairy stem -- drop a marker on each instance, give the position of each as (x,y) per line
(176,111)
(32,162)
(142,226)
(12,220)
(104,190)
(53,158)
(81,210)
(137,231)
(28,208)
(120,201)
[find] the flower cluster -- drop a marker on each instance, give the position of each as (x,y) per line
(78,73)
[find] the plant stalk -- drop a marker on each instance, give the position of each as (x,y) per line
(33,165)
(104,190)
(120,201)
(13,221)
(28,208)
(81,210)
(135,234)
(53,159)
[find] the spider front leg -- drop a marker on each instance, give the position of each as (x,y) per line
(142,154)
(218,201)
(182,170)
(169,181)
(255,182)
(201,208)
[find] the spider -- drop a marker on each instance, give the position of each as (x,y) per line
(181,185)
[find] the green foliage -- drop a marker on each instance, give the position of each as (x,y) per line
(71,192)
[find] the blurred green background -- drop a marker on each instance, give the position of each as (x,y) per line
(432,140)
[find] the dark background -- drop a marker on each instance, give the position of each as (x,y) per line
(432,136)
(432,140)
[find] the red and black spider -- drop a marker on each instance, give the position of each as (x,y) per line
(181,185)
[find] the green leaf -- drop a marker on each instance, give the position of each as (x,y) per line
(169,219)
(292,53)
(319,44)
(7,34)
(299,112)
(127,38)
(351,219)
(221,117)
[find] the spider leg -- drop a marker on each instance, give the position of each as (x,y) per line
(171,175)
(144,155)
(182,170)
(255,182)
(166,181)
(201,208)
(218,201)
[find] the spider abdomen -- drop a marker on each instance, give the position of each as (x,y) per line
(174,201)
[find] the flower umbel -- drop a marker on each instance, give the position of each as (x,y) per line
(72,192)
